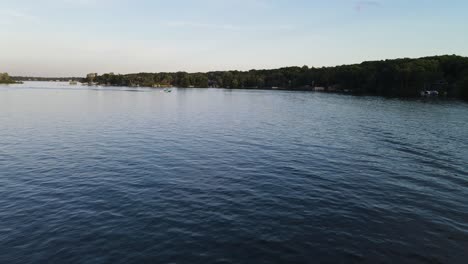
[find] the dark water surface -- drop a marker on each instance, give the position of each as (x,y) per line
(123,175)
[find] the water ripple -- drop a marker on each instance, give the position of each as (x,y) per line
(221,176)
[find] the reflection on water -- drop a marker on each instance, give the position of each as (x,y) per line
(110,175)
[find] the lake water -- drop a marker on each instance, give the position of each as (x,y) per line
(124,175)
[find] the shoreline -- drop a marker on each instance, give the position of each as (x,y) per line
(431,76)
(11,82)
(338,92)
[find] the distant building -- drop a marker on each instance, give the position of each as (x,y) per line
(162,85)
(91,75)
(319,89)
(333,88)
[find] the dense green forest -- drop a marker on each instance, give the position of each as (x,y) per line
(5,78)
(400,77)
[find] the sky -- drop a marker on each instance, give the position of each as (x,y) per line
(73,37)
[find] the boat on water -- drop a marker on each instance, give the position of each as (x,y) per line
(429,93)
(167,90)
(73,82)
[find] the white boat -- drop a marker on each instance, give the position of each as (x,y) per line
(429,93)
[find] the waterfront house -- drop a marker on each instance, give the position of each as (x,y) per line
(319,89)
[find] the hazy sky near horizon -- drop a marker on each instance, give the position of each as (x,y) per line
(74,37)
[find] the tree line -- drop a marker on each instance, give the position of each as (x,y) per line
(5,78)
(399,77)
(406,77)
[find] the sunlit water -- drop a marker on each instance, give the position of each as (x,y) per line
(125,175)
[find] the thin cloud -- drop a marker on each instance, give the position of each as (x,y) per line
(16,14)
(80,2)
(361,5)
(225,27)
(11,16)
(187,24)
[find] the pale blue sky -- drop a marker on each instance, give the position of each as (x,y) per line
(73,37)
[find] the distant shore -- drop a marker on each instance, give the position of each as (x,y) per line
(6,79)
(407,78)
(342,92)
(432,76)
